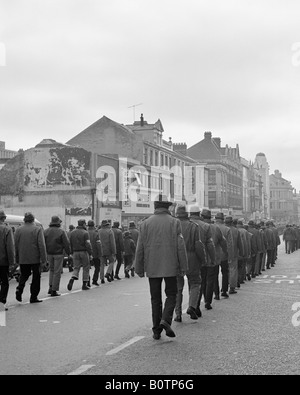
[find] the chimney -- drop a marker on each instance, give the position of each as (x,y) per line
(180,147)
(142,120)
(277,174)
(207,135)
(217,140)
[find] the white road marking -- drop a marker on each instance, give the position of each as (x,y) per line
(2,318)
(127,344)
(80,370)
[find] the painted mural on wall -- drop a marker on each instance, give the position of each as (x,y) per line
(54,167)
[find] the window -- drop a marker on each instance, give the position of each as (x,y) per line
(151,157)
(161,160)
(212,179)
(156,158)
(146,156)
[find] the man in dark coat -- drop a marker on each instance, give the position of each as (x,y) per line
(96,250)
(191,236)
(7,257)
(57,242)
(109,251)
(134,232)
(161,254)
(81,249)
(119,247)
(210,272)
(129,252)
(31,255)
(207,241)
(226,257)
(237,251)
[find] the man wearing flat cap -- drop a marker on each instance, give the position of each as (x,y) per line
(57,242)
(207,281)
(81,249)
(226,258)
(7,257)
(109,251)
(211,272)
(31,255)
(191,236)
(237,250)
(161,254)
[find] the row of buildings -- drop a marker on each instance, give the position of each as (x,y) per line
(114,171)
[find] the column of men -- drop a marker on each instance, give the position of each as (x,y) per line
(291,238)
(31,248)
(242,251)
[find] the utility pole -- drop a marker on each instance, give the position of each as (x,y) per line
(133,106)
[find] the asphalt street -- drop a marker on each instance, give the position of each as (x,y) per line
(107,330)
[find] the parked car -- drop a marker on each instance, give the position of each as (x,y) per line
(14,221)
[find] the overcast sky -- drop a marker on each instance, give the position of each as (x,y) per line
(231,67)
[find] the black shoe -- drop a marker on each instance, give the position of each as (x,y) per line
(127,275)
(225,295)
(208,306)
(108,277)
(192,313)
(85,287)
(156,336)
(95,283)
(70,284)
(198,312)
(35,300)
(132,272)
(178,318)
(248,277)
(232,291)
(102,281)
(217,297)
(49,291)
(18,296)
(167,327)
(55,293)
(117,277)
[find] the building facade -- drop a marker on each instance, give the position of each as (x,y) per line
(5,154)
(225,174)
(281,199)
(262,166)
